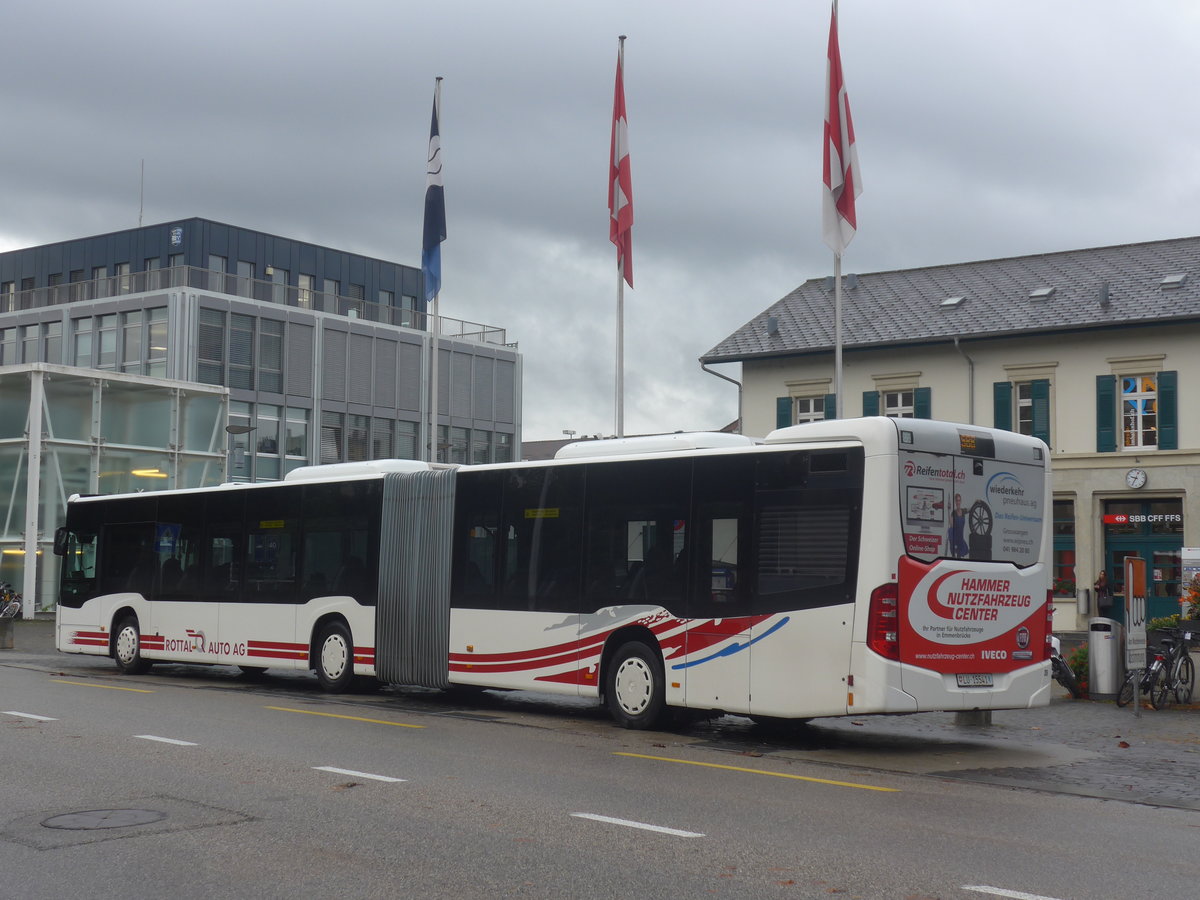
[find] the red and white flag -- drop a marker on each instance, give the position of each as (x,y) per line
(620,181)
(842,182)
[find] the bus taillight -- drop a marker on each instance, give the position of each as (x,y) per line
(1046,650)
(883,621)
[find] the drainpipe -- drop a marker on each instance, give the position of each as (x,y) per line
(970,383)
(739,387)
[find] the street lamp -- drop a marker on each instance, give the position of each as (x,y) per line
(237,457)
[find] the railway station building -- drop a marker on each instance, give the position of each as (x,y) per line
(1092,350)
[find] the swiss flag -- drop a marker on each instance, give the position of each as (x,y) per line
(620,181)
(842,182)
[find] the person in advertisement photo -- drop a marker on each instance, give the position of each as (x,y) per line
(958,526)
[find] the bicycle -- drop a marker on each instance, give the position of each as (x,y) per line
(10,602)
(1183,670)
(1170,674)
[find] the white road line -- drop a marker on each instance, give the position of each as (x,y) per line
(1002,892)
(337,771)
(642,825)
(13,712)
(163,740)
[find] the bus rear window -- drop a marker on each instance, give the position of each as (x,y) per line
(968,507)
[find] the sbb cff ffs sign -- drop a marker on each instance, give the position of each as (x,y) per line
(1128,519)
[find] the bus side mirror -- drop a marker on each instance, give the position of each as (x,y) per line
(60,542)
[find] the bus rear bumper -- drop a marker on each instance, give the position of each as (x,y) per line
(1024,688)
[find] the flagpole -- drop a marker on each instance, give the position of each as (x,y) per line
(620,399)
(837,336)
(434,331)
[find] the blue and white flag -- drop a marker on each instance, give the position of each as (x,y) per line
(435,206)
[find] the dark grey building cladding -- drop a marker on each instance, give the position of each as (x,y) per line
(192,242)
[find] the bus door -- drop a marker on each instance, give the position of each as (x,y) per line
(182,614)
(716,671)
(261,590)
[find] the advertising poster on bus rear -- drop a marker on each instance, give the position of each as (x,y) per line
(971,597)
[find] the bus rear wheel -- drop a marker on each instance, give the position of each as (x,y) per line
(127,648)
(635,689)
(335,658)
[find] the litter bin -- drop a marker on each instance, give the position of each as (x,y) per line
(1106,658)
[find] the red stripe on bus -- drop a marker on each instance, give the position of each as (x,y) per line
(364,656)
(276,646)
(277,654)
(697,636)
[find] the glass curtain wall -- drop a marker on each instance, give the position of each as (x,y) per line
(110,435)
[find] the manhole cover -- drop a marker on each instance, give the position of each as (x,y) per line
(104,818)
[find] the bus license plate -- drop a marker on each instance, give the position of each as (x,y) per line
(965,680)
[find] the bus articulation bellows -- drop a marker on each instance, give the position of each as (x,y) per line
(842,567)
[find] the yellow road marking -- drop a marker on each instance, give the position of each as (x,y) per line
(688,762)
(309,712)
(107,687)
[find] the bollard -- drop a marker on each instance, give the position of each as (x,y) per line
(965,717)
(6,633)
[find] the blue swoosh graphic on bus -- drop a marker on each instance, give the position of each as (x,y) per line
(735,648)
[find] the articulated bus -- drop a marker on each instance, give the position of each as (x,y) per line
(841,567)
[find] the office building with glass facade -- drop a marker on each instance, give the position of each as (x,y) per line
(316,355)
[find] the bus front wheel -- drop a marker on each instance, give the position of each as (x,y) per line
(335,658)
(635,689)
(127,648)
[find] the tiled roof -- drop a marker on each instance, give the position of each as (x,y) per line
(906,306)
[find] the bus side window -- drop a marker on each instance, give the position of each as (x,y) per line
(177,536)
(131,565)
(724,555)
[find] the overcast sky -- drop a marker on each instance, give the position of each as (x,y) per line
(985,129)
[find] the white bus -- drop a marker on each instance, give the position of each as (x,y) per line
(842,567)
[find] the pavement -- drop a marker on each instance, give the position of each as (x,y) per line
(1079,747)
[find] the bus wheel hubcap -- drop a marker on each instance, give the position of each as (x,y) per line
(333,657)
(635,683)
(126,644)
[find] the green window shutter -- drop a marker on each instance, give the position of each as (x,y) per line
(923,403)
(1106,413)
(1040,394)
(783,412)
(831,406)
(1168,410)
(870,403)
(1002,405)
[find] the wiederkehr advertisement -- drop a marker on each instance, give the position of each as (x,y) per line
(961,608)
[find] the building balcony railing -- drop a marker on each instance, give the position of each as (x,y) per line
(194,278)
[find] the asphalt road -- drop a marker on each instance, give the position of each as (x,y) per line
(273,789)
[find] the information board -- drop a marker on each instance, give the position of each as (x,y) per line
(1135,612)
